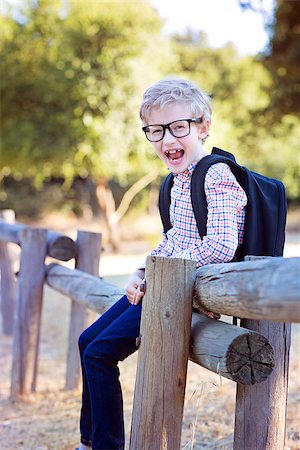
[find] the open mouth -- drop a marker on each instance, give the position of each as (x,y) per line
(175,154)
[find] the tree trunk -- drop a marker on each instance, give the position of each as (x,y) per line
(108,206)
(107,203)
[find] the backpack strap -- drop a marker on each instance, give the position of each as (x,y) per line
(198,196)
(164,201)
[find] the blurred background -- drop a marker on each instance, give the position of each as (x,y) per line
(72,77)
(73,156)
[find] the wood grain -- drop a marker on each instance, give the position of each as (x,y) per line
(163,354)
(258,289)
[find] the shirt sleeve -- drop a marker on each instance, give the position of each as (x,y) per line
(161,249)
(226,201)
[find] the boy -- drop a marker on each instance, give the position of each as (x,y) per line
(176,116)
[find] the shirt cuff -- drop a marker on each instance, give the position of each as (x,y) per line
(142,266)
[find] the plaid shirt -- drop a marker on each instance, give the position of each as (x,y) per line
(226,202)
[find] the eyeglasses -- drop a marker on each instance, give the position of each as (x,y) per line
(178,129)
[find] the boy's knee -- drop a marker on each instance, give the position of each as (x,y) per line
(83,341)
(97,353)
(86,356)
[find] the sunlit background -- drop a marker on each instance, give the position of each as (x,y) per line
(73,157)
(72,76)
(222,21)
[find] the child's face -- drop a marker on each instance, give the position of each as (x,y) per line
(178,153)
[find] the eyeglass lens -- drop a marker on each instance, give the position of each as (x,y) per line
(155,133)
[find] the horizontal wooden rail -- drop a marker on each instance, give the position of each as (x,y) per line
(236,353)
(59,246)
(93,292)
(214,344)
(263,289)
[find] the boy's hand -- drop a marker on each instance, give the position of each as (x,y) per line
(135,287)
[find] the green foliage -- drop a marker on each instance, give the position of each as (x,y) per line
(72,81)
(283,59)
(72,88)
(241,89)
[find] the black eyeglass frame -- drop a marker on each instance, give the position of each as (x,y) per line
(167,126)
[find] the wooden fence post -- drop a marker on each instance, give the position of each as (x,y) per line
(163,354)
(8,282)
(28,311)
(260,416)
(88,256)
(8,289)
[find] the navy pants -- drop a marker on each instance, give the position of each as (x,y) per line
(106,342)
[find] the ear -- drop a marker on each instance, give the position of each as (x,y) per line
(203,129)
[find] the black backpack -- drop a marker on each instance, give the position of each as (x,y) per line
(266,210)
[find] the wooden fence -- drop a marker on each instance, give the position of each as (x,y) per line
(264,293)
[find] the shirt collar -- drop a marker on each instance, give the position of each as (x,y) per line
(187,173)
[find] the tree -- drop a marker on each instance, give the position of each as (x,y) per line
(71,89)
(282,56)
(228,78)
(240,122)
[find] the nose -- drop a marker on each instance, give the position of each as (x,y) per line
(168,137)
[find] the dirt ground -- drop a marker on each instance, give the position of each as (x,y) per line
(48,420)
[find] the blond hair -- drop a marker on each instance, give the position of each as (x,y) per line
(175,90)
